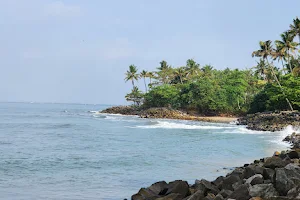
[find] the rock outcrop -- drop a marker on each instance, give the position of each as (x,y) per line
(271,121)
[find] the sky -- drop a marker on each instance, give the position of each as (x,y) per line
(77,51)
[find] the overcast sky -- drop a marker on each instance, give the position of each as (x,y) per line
(78,50)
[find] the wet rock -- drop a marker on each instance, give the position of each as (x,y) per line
(123,110)
(293,155)
(241,193)
(263,190)
(239,171)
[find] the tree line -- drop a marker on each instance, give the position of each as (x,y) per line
(273,84)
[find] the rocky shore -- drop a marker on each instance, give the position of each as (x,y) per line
(271,121)
(272,178)
(164,113)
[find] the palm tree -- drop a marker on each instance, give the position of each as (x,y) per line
(295,28)
(150,75)
(131,74)
(260,69)
(265,51)
(279,55)
(144,74)
(287,45)
(181,73)
(135,95)
(164,72)
(192,67)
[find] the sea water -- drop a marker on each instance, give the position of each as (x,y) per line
(70,152)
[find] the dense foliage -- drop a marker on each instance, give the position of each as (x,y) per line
(273,84)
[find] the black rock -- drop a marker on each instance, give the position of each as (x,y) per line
(159,188)
(263,190)
(241,193)
(206,187)
(274,162)
(225,193)
(179,187)
(268,174)
(229,181)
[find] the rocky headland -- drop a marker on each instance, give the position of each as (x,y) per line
(272,178)
(165,113)
(271,121)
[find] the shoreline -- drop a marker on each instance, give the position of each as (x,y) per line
(269,178)
(166,113)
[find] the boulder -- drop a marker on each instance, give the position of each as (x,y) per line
(219,197)
(229,181)
(225,193)
(209,197)
(159,188)
(263,190)
(241,193)
(196,196)
(173,196)
(256,179)
(179,187)
(218,182)
(268,174)
(283,182)
(239,171)
(294,192)
(274,162)
(144,193)
(206,187)
(293,155)
(252,170)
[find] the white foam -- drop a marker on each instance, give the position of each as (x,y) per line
(173,125)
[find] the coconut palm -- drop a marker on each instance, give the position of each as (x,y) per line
(164,72)
(131,74)
(287,46)
(192,67)
(135,95)
(150,75)
(144,74)
(265,51)
(295,28)
(181,73)
(279,55)
(261,69)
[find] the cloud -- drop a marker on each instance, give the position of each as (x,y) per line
(60,9)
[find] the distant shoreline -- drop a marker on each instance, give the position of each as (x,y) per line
(166,113)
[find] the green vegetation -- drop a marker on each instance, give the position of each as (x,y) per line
(273,84)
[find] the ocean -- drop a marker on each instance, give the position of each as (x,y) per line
(69,152)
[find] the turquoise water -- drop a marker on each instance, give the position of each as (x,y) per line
(63,151)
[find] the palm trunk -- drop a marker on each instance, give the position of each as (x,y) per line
(275,76)
(289,61)
(145,84)
(180,80)
(132,83)
(283,66)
